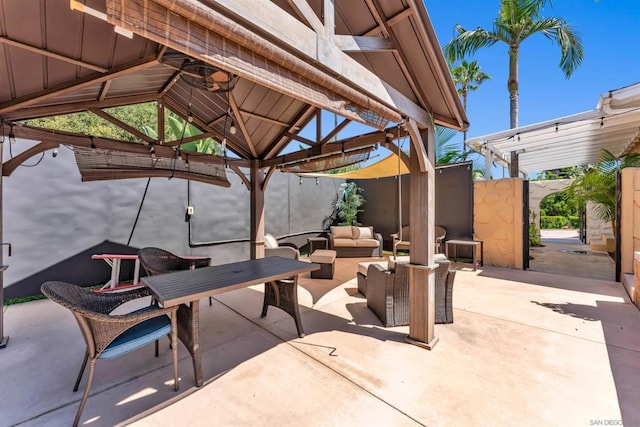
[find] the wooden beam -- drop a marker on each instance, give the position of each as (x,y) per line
(335,131)
(243,177)
(300,121)
(256,209)
(329,12)
(304,11)
(267,177)
(300,139)
(162,136)
(75,107)
(268,17)
(409,74)
(67,87)
(236,47)
(264,118)
(9,42)
(364,44)
(243,127)
(104,90)
(400,16)
(169,83)
(418,145)
(10,165)
(333,147)
(189,139)
(181,110)
(133,131)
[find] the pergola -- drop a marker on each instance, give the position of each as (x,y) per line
(574,140)
(376,62)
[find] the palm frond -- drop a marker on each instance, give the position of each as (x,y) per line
(468,42)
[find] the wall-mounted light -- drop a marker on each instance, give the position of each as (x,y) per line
(54,153)
(316,180)
(300,181)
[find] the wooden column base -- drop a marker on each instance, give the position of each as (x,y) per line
(422,344)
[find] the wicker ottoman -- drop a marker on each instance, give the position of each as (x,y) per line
(327,260)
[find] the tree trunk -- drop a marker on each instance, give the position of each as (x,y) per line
(513,98)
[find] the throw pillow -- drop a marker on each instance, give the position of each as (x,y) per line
(362,233)
(270,242)
(341,232)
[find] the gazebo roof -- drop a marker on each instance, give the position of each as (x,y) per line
(371,61)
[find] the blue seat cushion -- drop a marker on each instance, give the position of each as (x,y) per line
(138,336)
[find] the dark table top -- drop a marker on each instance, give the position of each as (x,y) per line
(182,287)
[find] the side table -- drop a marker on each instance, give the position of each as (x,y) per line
(316,243)
(475,244)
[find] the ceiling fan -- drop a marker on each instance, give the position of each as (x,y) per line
(203,76)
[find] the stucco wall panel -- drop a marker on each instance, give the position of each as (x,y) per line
(498,221)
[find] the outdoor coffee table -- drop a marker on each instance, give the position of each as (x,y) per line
(186,288)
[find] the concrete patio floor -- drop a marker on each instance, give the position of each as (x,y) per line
(526,348)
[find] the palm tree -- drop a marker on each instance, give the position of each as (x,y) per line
(468,76)
(598,184)
(516,21)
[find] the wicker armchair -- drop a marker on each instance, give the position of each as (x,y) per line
(404,244)
(108,336)
(158,261)
(388,293)
(283,293)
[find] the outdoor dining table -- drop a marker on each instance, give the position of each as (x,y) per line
(186,288)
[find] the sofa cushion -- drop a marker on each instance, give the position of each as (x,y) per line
(398,260)
(342,232)
(364,266)
(344,243)
(366,243)
(362,232)
(323,256)
(270,242)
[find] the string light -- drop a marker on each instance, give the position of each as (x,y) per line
(232,128)
(12,137)
(556,127)
(601,122)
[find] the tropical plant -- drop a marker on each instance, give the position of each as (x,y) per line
(534,234)
(468,76)
(598,184)
(517,20)
(139,116)
(348,206)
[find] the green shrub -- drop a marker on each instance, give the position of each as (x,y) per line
(574,221)
(553,222)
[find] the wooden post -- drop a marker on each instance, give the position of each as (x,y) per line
(3,339)
(488,162)
(257,211)
(422,221)
(514,166)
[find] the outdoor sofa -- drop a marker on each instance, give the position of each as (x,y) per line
(354,242)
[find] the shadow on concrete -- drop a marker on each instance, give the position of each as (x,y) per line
(622,349)
(78,269)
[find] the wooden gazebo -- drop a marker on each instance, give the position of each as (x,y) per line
(376,62)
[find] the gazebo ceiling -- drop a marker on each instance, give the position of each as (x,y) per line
(381,63)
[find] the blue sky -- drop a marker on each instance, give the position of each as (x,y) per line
(609,31)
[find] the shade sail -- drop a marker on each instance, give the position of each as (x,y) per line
(382,169)
(574,140)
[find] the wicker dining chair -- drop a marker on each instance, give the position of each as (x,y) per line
(283,293)
(107,335)
(159,261)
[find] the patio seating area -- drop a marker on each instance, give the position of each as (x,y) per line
(526,348)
